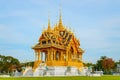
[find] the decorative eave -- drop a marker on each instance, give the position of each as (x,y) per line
(81,51)
(37,46)
(61,35)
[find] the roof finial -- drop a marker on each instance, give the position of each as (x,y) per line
(60,20)
(49,28)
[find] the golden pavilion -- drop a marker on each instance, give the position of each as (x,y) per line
(58,46)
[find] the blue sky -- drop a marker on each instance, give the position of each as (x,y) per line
(95,22)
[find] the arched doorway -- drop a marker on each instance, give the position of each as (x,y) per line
(71,54)
(57,56)
(43,56)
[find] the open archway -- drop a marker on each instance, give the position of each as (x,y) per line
(43,56)
(71,54)
(57,57)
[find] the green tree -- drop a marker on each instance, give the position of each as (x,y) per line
(108,64)
(88,64)
(98,65)
(8,64)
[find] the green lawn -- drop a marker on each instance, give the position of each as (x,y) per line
(64,78)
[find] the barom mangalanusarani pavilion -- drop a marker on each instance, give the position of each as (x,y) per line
(57,52)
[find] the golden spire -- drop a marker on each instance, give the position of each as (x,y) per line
(60,21)
(49,28)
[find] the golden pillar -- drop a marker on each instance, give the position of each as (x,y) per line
(74,56)
(70,56)
(51,55)
(67,55)
(39,55)
(48,54)
(54,55)
(61,55)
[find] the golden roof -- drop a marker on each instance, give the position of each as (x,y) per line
(58,37)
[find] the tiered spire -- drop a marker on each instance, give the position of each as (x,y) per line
(60,20)
(49,27)
(60,25)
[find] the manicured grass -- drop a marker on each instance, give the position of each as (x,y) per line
(64,78)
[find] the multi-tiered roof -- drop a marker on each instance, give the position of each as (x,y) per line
(58,36)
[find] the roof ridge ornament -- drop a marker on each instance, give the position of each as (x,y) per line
(60,25)
(49,27)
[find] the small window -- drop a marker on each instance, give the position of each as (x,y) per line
(43,42)
(53,41)
(49,42)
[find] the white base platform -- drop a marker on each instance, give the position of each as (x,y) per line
(44,70)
